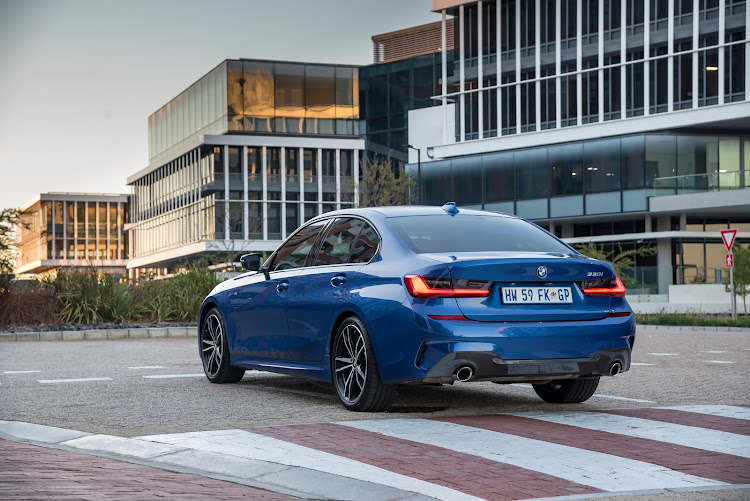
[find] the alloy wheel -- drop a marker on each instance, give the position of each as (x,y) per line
(211,345)
(350,364)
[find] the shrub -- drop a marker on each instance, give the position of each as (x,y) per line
(26,303)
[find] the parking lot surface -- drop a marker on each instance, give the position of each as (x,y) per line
(677,424)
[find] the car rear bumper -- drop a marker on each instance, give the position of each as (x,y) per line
(487,366)
(413,348)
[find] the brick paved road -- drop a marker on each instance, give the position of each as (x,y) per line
(678,420)
(495,457)
(29,472)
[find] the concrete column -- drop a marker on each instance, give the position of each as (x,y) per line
(245,208)
(600,74)
(518,67)
(264,196)
(722,34)
(670,57)
(338,178)
(282,212)
(623,59)
(558,82)
(444,77)
(664,264)
(499,66)
(226,192)
(538,67)
(480,71)
(646,51)
(696,31)
(462,74)
(579,63)
(320,181)
(355,173)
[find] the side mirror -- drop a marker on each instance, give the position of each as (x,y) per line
(252,262)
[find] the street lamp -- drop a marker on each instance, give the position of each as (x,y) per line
(419,173)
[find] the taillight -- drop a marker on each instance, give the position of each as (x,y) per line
(424,287)
(604,287)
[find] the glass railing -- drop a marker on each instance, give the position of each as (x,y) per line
(645,279)
(700,183)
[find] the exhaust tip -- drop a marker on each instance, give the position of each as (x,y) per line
(464,373)
(615,369)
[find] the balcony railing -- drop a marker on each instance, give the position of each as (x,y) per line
(700,183)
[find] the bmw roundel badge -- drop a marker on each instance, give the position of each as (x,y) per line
(541,272)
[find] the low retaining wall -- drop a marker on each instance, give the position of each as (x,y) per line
(98,334)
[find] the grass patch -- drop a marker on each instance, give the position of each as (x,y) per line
(697,319)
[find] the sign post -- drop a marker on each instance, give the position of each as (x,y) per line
(728,237)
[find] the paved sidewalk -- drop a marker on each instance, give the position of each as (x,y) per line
(30,472)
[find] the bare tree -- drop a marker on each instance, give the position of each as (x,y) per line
(382,185)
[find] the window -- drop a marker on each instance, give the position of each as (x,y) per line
(366,245)
(470,233)
(683,75)
(293,254)
(336,246)
(659,82)
(567,169)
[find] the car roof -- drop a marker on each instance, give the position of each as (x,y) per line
(412,210)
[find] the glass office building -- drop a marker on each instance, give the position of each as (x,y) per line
(620,123)
(243,157)
(73,230)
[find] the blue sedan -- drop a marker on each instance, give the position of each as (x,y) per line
(372,298)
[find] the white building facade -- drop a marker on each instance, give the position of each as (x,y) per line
(626,124)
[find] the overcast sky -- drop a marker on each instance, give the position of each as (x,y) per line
(78,79)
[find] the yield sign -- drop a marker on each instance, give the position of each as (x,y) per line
(728,237)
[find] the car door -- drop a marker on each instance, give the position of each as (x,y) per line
(259,304)
(316,290)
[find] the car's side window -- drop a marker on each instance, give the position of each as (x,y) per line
(366,245)
(336,247)
(294,252)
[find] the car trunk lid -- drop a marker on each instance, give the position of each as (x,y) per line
(522,275)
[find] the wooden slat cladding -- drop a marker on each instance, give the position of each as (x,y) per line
(403,44)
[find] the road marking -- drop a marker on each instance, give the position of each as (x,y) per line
(167,376)
(595,469)
(640,363)
(244,444)
(729,411)
(689,436)
(717,362)
(20,372)
(77,380)
(664,354)
(146,367)
(626,399)
(715,351)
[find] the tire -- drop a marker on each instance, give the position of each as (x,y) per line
(214,350)
(567,391)
(358,389)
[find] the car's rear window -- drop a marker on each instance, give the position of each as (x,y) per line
(473,233)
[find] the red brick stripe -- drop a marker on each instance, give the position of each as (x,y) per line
(462,472)
(28,472)
(720,423)
(699,462)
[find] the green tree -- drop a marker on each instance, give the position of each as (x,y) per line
(10,223)
(622,260)
(742,273)
(382,185)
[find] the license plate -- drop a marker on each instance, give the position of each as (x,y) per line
(536,295)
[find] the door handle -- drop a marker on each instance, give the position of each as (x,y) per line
(338,280)
(282,286)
